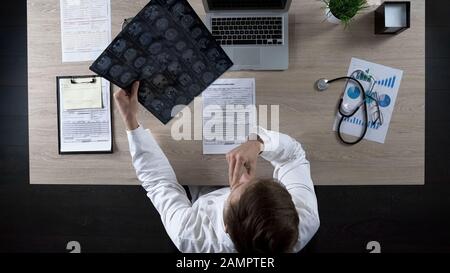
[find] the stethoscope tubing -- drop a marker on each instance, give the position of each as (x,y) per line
(343,115)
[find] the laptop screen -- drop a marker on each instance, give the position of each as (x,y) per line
(246,4)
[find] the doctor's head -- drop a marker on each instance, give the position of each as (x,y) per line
(260,217)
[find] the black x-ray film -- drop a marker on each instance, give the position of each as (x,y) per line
(170,51)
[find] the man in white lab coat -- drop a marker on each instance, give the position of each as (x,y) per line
(251,216)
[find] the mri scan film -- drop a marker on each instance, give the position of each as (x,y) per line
(170,51)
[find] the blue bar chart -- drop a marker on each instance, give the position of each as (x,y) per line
(389,82)
(357,121)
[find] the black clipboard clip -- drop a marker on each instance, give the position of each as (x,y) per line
(75,80)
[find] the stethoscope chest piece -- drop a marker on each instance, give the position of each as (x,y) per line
(322,84)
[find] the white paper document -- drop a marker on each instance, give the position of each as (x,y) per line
(85,29)
(385,91)
(229,114)
(81,95)
(86,130)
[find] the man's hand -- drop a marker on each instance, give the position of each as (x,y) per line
(242,162)
(128,106)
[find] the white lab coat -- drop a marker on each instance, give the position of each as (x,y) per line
(199,227)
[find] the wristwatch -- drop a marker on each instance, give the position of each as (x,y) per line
(256,137)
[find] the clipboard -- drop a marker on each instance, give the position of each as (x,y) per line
(84,126)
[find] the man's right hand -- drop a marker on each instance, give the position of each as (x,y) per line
(128,106)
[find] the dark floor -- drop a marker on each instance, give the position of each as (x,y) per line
(122,219)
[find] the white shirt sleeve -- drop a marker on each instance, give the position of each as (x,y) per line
(292,170)
(188,226)
(159,180)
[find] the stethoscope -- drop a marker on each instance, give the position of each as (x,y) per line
(343,108)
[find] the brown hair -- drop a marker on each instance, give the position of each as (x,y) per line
(263,220)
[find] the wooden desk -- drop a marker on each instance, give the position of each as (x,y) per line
(317,49)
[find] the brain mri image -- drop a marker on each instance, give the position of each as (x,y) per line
(103,63)
(171,93)
(187,21)
(130,54)
(181,45)
(198,67)
(181,100)
(135,28)
(119,46)
(139,62)
(162,24)
(116,71)
(155,48)
(149,70)
(164,58)
(170,51)
(185,79)
(203,43)
(171,34)
(175,68)
(160,81)
(126,78)
(213,54)
(178,9)
(208,77)
(157,105)
(194,90)
(188,55)
(151,12)
(145,39)
(196,32)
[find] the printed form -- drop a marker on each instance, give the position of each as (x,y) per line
(85,29)
(229,114)
(86,130)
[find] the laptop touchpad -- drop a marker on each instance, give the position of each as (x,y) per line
(246,56)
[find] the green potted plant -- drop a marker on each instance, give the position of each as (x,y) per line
(343,11)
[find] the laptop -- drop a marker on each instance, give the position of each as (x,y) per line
(254,33)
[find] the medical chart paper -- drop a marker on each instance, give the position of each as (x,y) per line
(86,130)
(229,114)
(81,94)
(386,88)
(85,29)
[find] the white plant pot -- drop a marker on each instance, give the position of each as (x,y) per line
(331,18)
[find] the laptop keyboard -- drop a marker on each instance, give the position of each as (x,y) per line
(248,30)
